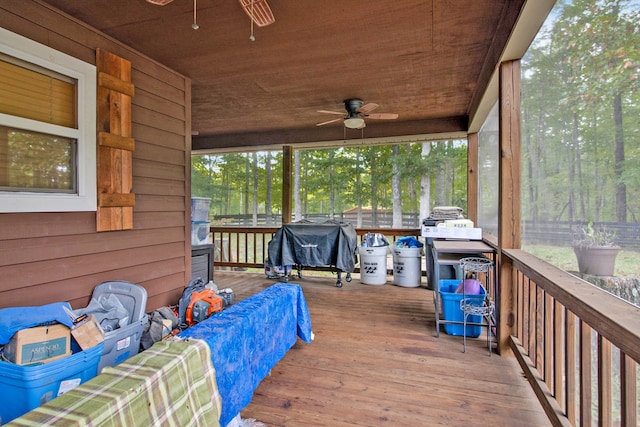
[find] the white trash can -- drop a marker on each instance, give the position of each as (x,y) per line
(373,264)
(407,264)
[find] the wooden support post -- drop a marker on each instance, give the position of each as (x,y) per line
(287,162)
(472,177)
(510,199)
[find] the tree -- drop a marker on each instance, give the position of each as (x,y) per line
(425,183)
(395,188)
(297,199)
(269,193)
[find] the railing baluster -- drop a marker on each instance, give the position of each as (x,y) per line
(605,375)
(557,356)
(586,401)
(547,334)
(571,366)
(628,390)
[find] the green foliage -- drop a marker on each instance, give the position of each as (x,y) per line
(588,236)
(579,153)
(332,180)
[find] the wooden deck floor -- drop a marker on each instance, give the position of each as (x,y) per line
(376,361)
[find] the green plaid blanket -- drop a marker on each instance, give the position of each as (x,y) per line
(170,384)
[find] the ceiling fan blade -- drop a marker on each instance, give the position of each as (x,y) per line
(259,12)
(382,116)
(331,112)
(367,107)
(326,123)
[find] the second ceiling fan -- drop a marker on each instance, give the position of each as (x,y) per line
(356,112)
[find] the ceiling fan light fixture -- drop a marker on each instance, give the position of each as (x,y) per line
(159,2)
(354,122)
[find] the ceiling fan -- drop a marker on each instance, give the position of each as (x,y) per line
(258,10)
(356,112)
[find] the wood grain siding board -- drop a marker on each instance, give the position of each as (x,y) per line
(156,102)
(159,203)
(158,120)
(52,270)
(158,187)
(28,224)
(161,274)
(161,154)
(160,220)
(157,79)
(151,169)
(36,249)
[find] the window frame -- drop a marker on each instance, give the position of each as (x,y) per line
(85,74)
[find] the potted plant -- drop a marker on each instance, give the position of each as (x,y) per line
(595,249)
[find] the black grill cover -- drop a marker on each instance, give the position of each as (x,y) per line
(310,244)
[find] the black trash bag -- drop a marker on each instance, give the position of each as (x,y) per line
(154,329)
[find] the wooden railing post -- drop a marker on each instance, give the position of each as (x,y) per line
(287,155)
(472,177)
(509,202)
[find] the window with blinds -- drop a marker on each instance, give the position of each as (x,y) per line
(36,161)
(47,128)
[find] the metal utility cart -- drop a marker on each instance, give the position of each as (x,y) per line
(309,244)
(481,308)
(450,252)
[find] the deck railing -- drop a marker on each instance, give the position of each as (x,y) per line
(578,345)
(246,247)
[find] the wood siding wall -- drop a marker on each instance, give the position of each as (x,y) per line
(49,257)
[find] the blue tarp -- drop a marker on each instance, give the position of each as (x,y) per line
(14,319)
(249,338)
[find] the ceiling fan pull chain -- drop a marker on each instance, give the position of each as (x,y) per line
(251,37)
(195,25)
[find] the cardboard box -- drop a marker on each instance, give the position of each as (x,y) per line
(452,233)
(40,344)
(88,332)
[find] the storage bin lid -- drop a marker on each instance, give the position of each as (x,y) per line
(133,297)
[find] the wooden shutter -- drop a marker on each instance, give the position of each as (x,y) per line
(115,144)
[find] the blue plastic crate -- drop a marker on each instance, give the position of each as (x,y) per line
(27,387)
(451,309)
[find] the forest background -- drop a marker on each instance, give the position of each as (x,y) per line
(580,135)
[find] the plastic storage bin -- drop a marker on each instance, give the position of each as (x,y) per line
(407,266)
(27,387)
(124,342)
(373,264)
(200,233)
(200,208)
(451,309)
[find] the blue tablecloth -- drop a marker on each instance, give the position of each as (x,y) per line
(249,338)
